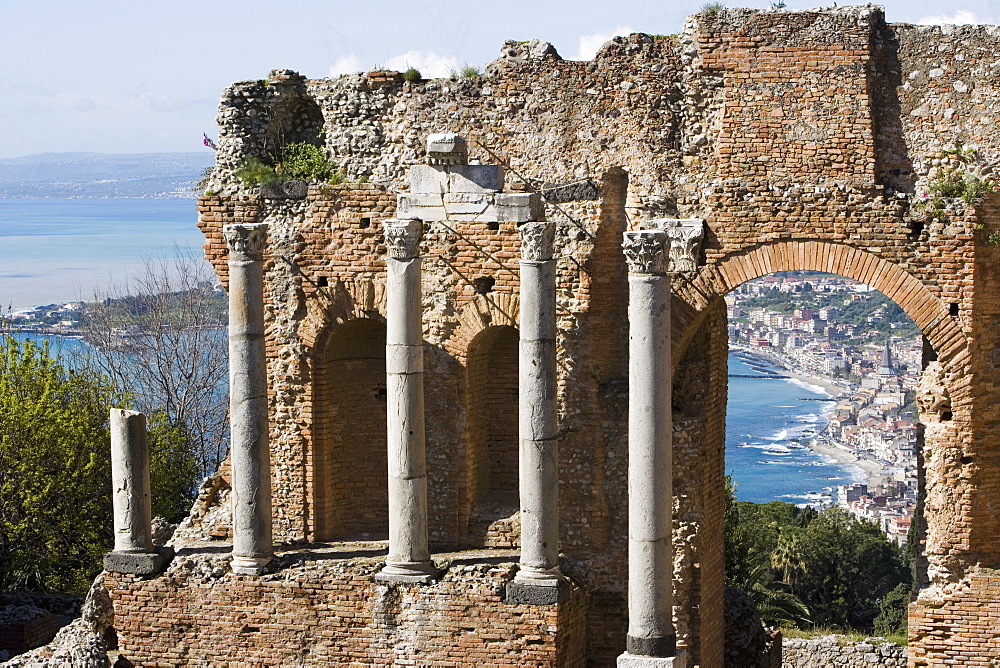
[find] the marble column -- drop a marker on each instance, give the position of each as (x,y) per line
(133,551)
(409,556)
(538,461)
(249,451)
(651,640)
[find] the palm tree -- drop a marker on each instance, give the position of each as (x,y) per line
(787,559)
(776,607)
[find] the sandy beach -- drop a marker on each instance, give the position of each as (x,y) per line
(871,469)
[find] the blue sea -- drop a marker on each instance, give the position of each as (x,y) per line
(61,250)
(768,424)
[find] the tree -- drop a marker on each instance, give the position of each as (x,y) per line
(55,473)
(55,470)
(849,567)
(165,344)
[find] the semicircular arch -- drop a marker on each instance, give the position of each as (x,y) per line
(483,312)
(929,313)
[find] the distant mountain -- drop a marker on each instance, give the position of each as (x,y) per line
(103,175)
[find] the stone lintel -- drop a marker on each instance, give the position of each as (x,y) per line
(627,660)
(470,207)
(521,593)
(139,563)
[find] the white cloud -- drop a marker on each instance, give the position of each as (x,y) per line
(430,64)
(961,17)
(345,65)
(591,44)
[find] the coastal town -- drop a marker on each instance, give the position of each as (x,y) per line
(867,353)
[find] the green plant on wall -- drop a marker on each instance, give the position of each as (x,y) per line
(299,160)
(961,182)
(712,8)
(412,75)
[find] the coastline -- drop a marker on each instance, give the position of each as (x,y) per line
(869,470)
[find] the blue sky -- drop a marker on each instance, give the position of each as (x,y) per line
(130,77)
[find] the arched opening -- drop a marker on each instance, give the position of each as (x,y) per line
(822,443)
(492,436)
(350,430)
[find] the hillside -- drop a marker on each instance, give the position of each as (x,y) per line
(103,175)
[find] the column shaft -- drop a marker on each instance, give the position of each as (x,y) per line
(538,463)
(650,488)
(409,556)
(130,482)
(249,451)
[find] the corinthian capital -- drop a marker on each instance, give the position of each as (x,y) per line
(646,251)
(402,238)
(537,240)
(685,241)
(246,242)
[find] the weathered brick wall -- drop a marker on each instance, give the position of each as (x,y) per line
(804,139)
(326,610)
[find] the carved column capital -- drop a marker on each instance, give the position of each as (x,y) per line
(246,242)
(537,241)
(646,251)
(447,148)
(402,238)
(685,241)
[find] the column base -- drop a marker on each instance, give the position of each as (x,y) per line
(411,572)
(250,565)
(139,563)
(527,593)
(627,660)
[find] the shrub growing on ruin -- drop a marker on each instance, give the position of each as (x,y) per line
(299,160)
(412,75)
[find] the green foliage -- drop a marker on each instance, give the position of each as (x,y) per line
(891,619)
(850,567)
(304,161)
(805,568)
(254,172)
(299,160)
(470,72)
(412,75)
(712,8)
(173,467)
(202,183)
(993,238)
(55,472)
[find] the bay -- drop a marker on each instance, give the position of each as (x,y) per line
(62,250)
(768,423)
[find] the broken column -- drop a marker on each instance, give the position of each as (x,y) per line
(538,479)
(251,459)
(133,551)
(409,556)
(651,639)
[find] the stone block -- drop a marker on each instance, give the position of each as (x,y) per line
(420,206)
(475,179)
(428,179)
(519,207)
(471,207)
(627,660)
(520,593)
(571,192)
(285,190)
(139,563)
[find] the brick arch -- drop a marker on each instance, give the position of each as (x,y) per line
(929,313)
(496,308)
(329,308)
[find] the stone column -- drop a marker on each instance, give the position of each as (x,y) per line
(251,459)
(651,639)
(538,478)
(409,558)
(133,551)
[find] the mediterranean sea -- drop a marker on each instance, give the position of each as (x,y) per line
(769,421)
(61,250)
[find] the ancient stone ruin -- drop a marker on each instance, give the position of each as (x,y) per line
(500,343)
